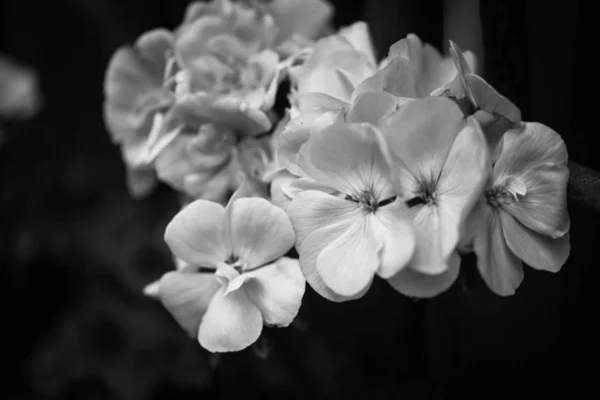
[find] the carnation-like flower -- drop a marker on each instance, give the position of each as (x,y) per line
(523,214)
(221,67)
(233,276)
(350,223)
(442,164)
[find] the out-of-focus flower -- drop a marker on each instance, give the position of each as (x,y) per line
(20,97)
(221,67)
(19,92)
(136,104)
(441,162)
(233,275)
(349,222)
(523,214)
(335,67)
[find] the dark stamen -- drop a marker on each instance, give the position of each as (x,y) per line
(415,202)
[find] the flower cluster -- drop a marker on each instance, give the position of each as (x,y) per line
(391,169)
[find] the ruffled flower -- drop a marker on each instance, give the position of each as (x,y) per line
(221,67)
(233,277)
(350,224)
(523,215)
(441,164)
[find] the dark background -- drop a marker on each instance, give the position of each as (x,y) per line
(75,249)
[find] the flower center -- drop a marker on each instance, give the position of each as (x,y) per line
(368,201)
(237,263)
(426,194)
(496,196)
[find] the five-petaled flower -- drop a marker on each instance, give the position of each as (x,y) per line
(350,222)
(522,215)
(234,277)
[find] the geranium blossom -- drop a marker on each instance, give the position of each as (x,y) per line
(523,214)
(441,161)
(234,277)
(350,223)
(343,67)
(221,67)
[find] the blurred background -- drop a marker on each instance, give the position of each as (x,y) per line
(76,250)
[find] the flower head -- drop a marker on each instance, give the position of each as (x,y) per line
(441,162)
(235,277)
(350,223)
(221,67)
(523,214)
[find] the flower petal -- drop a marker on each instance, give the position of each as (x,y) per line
(347,265)
(260,232)
(537,251)
(350,158)
(372,107)
(232,322)
(461,183)
(297,132)
(336,75)
(311,210)
(394,225)
(415,284)
(197,234)
(187,296)
(488,99)
(422,132)
(536,156)
(359,37)
(429,257)
(313,246)
(229,112)
(500,268)
(277,290)
(305,18)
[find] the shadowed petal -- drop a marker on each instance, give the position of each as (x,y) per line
(415,284)
(537,251)
(461,183)
(277,290)
(537,157)
(187,296)
(232,322)
(197,234)
(500,268)
(260,232)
